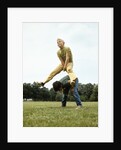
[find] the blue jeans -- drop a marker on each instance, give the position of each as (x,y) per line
(76,94)
(64,99)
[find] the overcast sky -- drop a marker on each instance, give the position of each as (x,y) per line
(40,50)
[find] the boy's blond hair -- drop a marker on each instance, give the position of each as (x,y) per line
(59,39)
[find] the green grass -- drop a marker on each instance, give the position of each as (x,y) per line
(51,114)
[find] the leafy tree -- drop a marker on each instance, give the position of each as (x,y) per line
(44,94)
(59,96)
(27,91)
(52,94)
(88,90)
(94,96)
(36,91)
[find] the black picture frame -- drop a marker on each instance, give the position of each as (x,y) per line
(3,14)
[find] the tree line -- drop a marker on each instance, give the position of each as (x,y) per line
(87,92)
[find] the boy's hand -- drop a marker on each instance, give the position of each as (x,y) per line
(64,68)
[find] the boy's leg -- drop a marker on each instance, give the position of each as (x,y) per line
(64,99)
(76,94)
(70,72)
(57,70)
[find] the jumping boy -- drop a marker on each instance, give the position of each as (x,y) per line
(66,59)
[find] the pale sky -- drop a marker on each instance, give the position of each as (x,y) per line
(40,50)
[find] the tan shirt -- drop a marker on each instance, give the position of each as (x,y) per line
(62,53)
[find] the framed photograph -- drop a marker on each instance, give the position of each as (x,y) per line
(32,35)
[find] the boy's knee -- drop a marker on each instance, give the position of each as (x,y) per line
(69,70)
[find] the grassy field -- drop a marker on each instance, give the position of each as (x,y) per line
(51,114)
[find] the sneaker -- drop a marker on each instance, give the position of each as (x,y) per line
(41,84)
(79,107)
